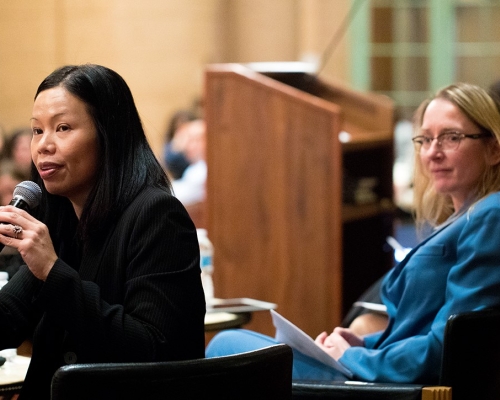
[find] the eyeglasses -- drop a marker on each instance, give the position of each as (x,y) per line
(446,141)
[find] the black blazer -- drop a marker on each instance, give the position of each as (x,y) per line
(136,296)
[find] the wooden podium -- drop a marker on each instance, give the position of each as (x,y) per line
(279,147)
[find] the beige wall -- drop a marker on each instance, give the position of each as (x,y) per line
(160,47)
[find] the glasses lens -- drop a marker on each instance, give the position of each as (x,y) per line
(450,141)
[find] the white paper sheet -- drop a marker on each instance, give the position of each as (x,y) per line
(380,308)
(288,333)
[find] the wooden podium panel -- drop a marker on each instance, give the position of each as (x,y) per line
(274,193)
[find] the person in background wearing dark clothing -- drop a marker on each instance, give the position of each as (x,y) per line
(112,268)
(174,157)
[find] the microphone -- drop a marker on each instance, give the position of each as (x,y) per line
(26,196)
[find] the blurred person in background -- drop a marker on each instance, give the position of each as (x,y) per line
(18,150)
(3,143)
(10,176)
(190,187)
(174,157)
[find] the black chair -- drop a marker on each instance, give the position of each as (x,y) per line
(470,367)
(259,374)
(471,357)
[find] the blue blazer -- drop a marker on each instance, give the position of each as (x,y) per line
(455,269)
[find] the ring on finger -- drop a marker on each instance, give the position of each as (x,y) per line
(17,230)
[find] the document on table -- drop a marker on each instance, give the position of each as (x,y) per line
(288,333)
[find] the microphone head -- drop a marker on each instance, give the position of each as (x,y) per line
(29,192)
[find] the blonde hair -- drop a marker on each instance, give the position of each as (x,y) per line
(434,208)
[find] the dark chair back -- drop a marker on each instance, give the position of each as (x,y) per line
(471,360)
(259,374)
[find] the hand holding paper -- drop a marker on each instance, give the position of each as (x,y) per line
(338,341)
(288,333)
(349,336)
(334,345)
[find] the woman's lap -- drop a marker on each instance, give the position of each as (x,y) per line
(242,340)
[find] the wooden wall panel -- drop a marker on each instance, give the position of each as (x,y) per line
(27,51)
(160,47)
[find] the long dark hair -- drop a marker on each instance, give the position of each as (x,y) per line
(126,162)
